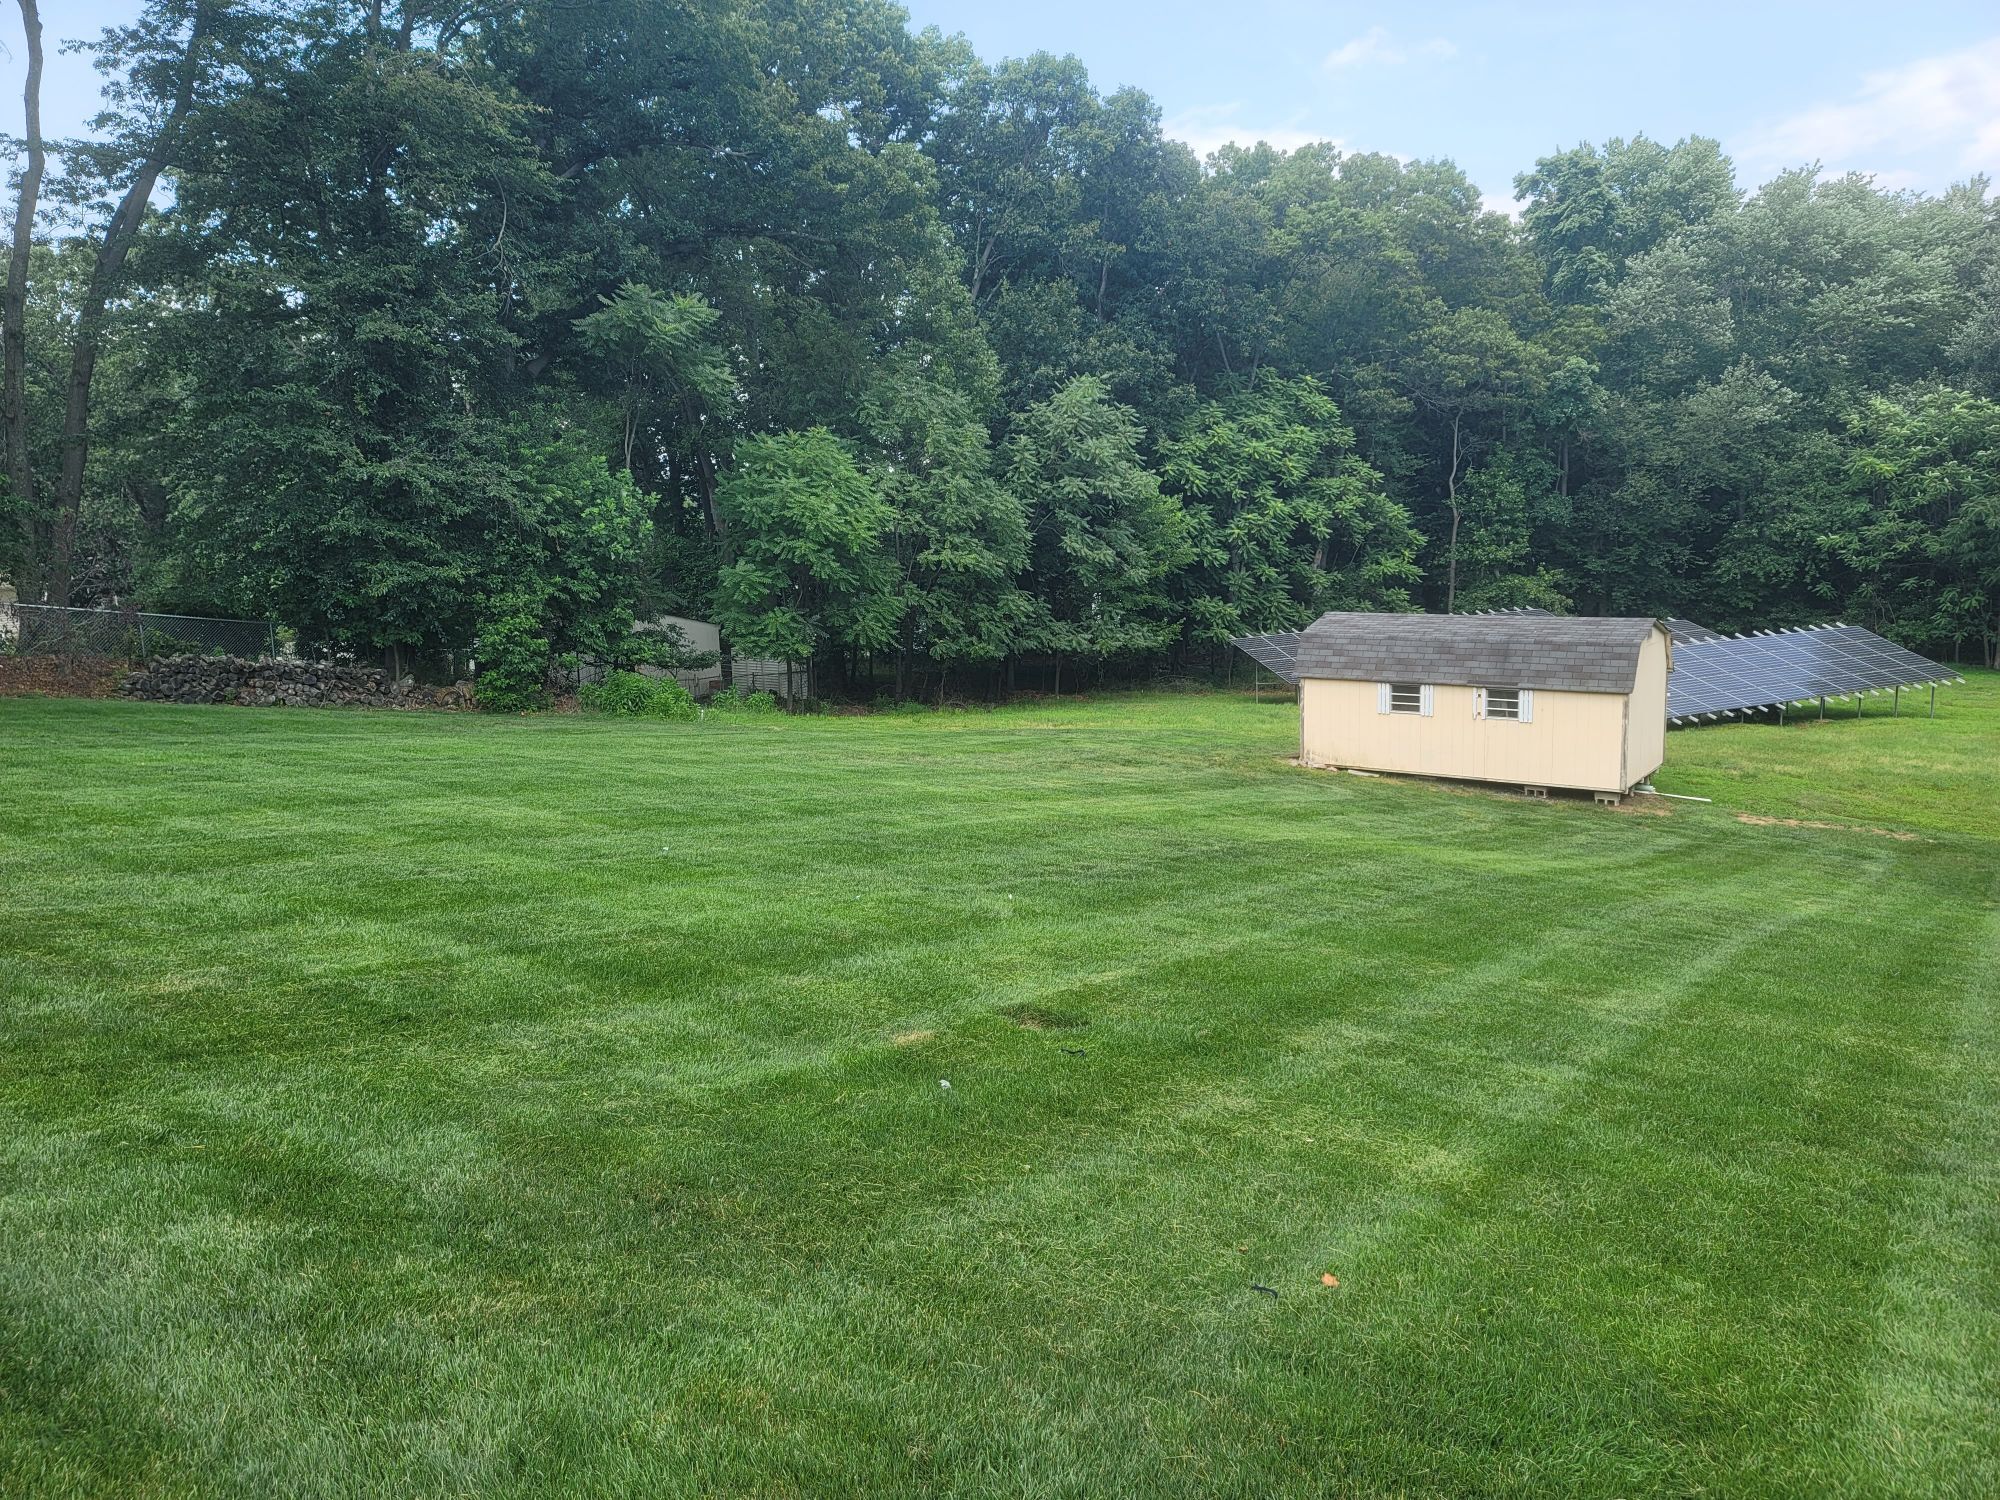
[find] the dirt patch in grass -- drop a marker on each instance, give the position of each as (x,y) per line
(912,1038)
(1041,1018)
(1759,820)
(59,677)
(1643,809)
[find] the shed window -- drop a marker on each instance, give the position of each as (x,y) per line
(1516,705)
(1403,697)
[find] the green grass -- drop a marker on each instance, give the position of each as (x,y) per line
(434,1105)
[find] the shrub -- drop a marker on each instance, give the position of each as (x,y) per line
(671,701)
(513,664)
(618,693)
(733,700)
(647,697)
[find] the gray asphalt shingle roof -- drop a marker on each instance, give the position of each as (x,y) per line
(1589,654)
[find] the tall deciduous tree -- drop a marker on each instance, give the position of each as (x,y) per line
(810,577)
(959,537)
(1467,367)
(1104,538)
(1285,521)
(169,62)
(13,322)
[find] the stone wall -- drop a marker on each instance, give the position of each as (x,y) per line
(272,682)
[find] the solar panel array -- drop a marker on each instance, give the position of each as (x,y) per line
(1686,632)
(1716,675)
(1276,651)
(1720,676)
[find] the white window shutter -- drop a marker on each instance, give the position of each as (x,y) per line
(1425,701)
(1527,705)
(1479,703)
(1381,697)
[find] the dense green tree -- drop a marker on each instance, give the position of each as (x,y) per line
(1284,520)
(1591,210)
(428,326)
(959,538)
(660,349)
(811,578)
(1916,528)
(1467,370)
(1104,538)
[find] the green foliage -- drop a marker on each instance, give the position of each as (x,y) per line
(810,569)
(635,695)
(1285,521)
(662,347)
(1103,538)
(513,656)
(663,645)
(733,700)
(887,358)
(959,537)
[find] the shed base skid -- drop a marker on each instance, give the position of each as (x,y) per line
(1609,796)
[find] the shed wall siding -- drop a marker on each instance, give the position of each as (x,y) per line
(1576,739)
(1646,712)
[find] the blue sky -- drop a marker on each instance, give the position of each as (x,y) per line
(1909,92)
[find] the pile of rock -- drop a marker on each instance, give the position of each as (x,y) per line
(275,682)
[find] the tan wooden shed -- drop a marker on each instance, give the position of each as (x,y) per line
(1537,701)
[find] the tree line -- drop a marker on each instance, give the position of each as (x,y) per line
(431,325)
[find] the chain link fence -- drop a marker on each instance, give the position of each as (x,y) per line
(132,634)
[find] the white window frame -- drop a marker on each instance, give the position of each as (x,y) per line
(1524,700)
(1385,698)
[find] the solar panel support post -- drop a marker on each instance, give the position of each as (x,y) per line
(1822,705)
(1934,700)
(1896,703)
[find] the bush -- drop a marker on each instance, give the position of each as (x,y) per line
(671,701)
(513,664)
(640,697)
(618,693)
(733,700)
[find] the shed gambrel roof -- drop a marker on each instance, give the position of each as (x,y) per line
(1559,653)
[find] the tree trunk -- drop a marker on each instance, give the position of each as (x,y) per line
(118,237)
(20,469)
(1451,498)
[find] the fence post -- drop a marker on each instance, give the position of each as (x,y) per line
(144,655)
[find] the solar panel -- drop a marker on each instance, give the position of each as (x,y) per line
(1719,675)
(1276,651)
(1716,675)
(1686,632)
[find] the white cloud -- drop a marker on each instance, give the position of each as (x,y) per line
(1210,127)
(1375,45)
(1948,106)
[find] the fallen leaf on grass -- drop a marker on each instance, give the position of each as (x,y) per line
(1327,1278)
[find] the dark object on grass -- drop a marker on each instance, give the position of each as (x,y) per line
(1268,1291)
(1074,1051)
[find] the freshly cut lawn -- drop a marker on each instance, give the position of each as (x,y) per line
(442,1106)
